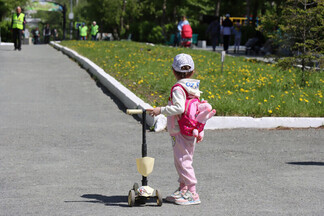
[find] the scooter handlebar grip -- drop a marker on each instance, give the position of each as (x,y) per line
(134,111)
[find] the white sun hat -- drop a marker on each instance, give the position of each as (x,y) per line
(183,60)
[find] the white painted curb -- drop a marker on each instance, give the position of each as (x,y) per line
(6,44)
(219,122)
(128,98)
(131,101)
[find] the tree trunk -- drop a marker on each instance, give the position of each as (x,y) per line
(163,18)
(122,19)
(217,9)
(304,50)
(255,12)
(248,11)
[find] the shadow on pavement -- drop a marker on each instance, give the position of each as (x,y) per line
(106,200)
(121,201)
(307,163)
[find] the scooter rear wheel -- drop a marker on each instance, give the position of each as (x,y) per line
(158,198)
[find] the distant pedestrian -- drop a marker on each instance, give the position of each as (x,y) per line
(237,37)
(55,34)
(214,31)
(47,34)
(83,32)
(36,36)
(94,30)
(227,28)
(221,39)
(18,27)
(182,22)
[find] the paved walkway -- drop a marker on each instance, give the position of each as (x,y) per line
(68,148)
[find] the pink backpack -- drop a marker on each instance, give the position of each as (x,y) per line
(187,122)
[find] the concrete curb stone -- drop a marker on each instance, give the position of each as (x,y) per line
(128,98)
(131,101)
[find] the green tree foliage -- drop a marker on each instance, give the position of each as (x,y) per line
(297,25)
(145,17)
(112,15)
(7,7)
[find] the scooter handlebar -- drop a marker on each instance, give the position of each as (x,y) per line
(134,111)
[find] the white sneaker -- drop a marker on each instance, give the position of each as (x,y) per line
(188,199)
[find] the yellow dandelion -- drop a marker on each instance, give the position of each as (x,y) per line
(270,111)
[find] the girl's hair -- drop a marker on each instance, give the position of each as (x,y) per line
(181,75)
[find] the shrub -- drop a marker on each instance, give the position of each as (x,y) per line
(6,34)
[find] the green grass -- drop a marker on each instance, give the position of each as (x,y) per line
(245,88)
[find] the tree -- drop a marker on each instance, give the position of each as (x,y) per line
(302,25)
(112,14)
(8,6)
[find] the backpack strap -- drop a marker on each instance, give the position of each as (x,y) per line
(176,85)
(188,101)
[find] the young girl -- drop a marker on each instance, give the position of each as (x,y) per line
(183,146)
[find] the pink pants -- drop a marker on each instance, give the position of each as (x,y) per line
(183,150)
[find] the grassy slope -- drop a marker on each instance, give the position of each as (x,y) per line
(245,88)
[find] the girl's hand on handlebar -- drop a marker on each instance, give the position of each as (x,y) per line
(154,112)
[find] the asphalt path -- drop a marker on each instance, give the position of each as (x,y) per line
(67,147)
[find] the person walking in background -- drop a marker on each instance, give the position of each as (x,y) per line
(237,37)
(83,32)
(36,36)
(55,34)
(47,34)
(18,27)
(94,31)
(183,22)
(221,39)
(214,30)
(227,28)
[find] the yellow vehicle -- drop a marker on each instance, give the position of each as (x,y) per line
(242,20)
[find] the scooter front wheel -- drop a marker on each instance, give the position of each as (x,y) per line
(131,198)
